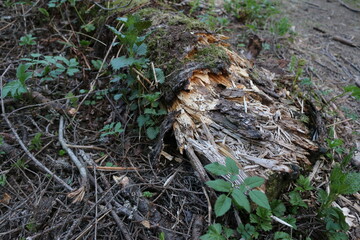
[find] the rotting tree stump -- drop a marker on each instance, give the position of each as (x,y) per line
(221,105)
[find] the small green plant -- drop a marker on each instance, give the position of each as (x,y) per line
(355,91)
(281,27)
(341,183)
(238,196)
(52,67)
(162,236)
(36,142)
(20,164)
(2,180)
(17,87)
(135,61)
(31,226)
(111,129)
(27,40)
(62,152)
(251,11)
(148,194)
(1,143)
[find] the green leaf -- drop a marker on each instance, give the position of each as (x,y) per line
(322,196)
(352,181)
(71,71)
(241,200)
(216,169)
(88,27)
(213,233)
(121,62)
(160,75)
(140,50)
(277,208)
(15,88)
(118,96)
(259,198)
(296,200)
(303,184)
(215,228)
(142,25)
(44,12)
(253,182)
(219,185)
(152,132)
(222,205)
(282,235)
(355,91)
(231,166)
(248,231)
(142,119)
(21,73)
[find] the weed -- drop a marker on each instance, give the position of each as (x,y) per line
(134,61)
(49,68)
(111,129)
(2,180)
(36,142)
(147,194)
(281,27)
(62,152)
(20,164)
(17,87)
(27,40)
(251,11)
(1,143)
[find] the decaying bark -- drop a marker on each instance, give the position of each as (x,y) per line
(228,108)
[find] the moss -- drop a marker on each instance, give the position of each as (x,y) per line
(171,18)
(212,55)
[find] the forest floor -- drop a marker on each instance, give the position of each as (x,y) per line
(124,195)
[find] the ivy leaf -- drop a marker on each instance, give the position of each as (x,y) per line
(253,182)
(241,200)
(231,166)
(216,169)
(222,205)
(259,198)
(219,185)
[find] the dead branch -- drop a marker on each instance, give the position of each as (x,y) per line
(79,194)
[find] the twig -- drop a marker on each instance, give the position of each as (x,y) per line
(343,41)
(86,147)
(78,194)
(30,155)
(104,168)
(348,7)
(209,205)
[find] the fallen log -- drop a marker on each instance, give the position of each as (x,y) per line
(226,107)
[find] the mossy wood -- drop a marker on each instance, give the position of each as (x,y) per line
(225,107)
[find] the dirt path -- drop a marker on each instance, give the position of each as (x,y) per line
(324,31)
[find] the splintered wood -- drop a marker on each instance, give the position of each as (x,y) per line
(227,114)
